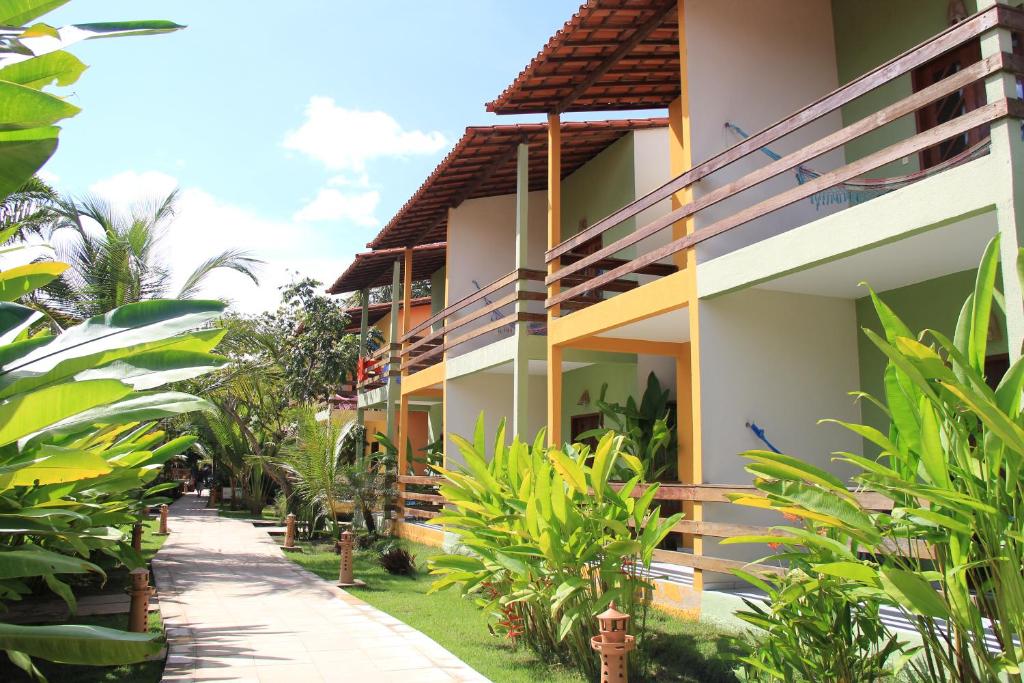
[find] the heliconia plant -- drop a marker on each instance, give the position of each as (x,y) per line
(950,552)
(547,542)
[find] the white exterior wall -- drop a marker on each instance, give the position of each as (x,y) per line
(753,64)
(651,170)
(490,392)
(783,361)
(482,247)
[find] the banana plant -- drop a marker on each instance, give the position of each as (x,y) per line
(950,552)
(549,543)
(32,57)
(79,451)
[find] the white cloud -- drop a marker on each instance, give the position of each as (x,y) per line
(361,180)
(345,139)
(334,205)
(205,225)
(129,187)
(48,177)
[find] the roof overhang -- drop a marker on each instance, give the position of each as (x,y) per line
(374,268)
(483,164)
(612,55)
(375,312)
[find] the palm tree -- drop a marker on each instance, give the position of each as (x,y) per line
(28,208)
(118,263)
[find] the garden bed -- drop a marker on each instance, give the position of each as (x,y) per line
(683,651)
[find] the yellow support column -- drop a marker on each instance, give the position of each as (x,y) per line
(688,363)
(554,237)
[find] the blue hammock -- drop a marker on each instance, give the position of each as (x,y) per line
(854,192)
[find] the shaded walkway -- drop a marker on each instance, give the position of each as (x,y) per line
(236,609)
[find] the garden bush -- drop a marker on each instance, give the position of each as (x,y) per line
(950,552)
(548,542)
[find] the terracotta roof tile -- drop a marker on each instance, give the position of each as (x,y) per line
(483,164)
(611,55)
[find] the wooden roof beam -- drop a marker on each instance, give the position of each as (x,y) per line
(645,29)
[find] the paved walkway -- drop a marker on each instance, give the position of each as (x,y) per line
(237,610)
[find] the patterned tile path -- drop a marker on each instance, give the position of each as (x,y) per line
(237,610)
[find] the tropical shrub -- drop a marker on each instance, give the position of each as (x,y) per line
(648,429)
(814,626)
(395,559)
(312,458)
(549,543)
(950,552)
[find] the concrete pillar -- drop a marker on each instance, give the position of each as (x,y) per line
(394,360)
(1008,182)
(138,610)
(364,296)
(554,392)
(521,361)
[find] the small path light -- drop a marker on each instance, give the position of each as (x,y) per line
(137,537)
(163,521)
(613,643)
(289,535)
(345,578)
(138,610)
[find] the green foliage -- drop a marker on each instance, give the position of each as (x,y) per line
(28,136)
(649,430)
(77,460)
(120,263)
(549,543)
(814,625)
(319,352)
(951,468)
(395,559)
(312,458)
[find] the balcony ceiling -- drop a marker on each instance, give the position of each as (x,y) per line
(483,164)
(612,55)
(374,268)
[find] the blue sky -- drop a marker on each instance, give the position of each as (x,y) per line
(295,129)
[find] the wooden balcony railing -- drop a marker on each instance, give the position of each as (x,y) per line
(491,309)
(579,279)
(426,506)
(379,367)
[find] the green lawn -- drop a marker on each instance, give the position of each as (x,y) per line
(117,577)
(682,651)
(224,510)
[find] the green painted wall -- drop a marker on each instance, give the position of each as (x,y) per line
(604,184)
(437,292)
(435,421)
(867,34)
(934,304)
(621,379)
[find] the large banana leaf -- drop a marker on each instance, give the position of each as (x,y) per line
(19,12)
(23,152)
(29,413)
(23,108)
(136,323)
(39,40)
(56,68)
(93,645)
(26,379)
(138,407)
(37,561)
